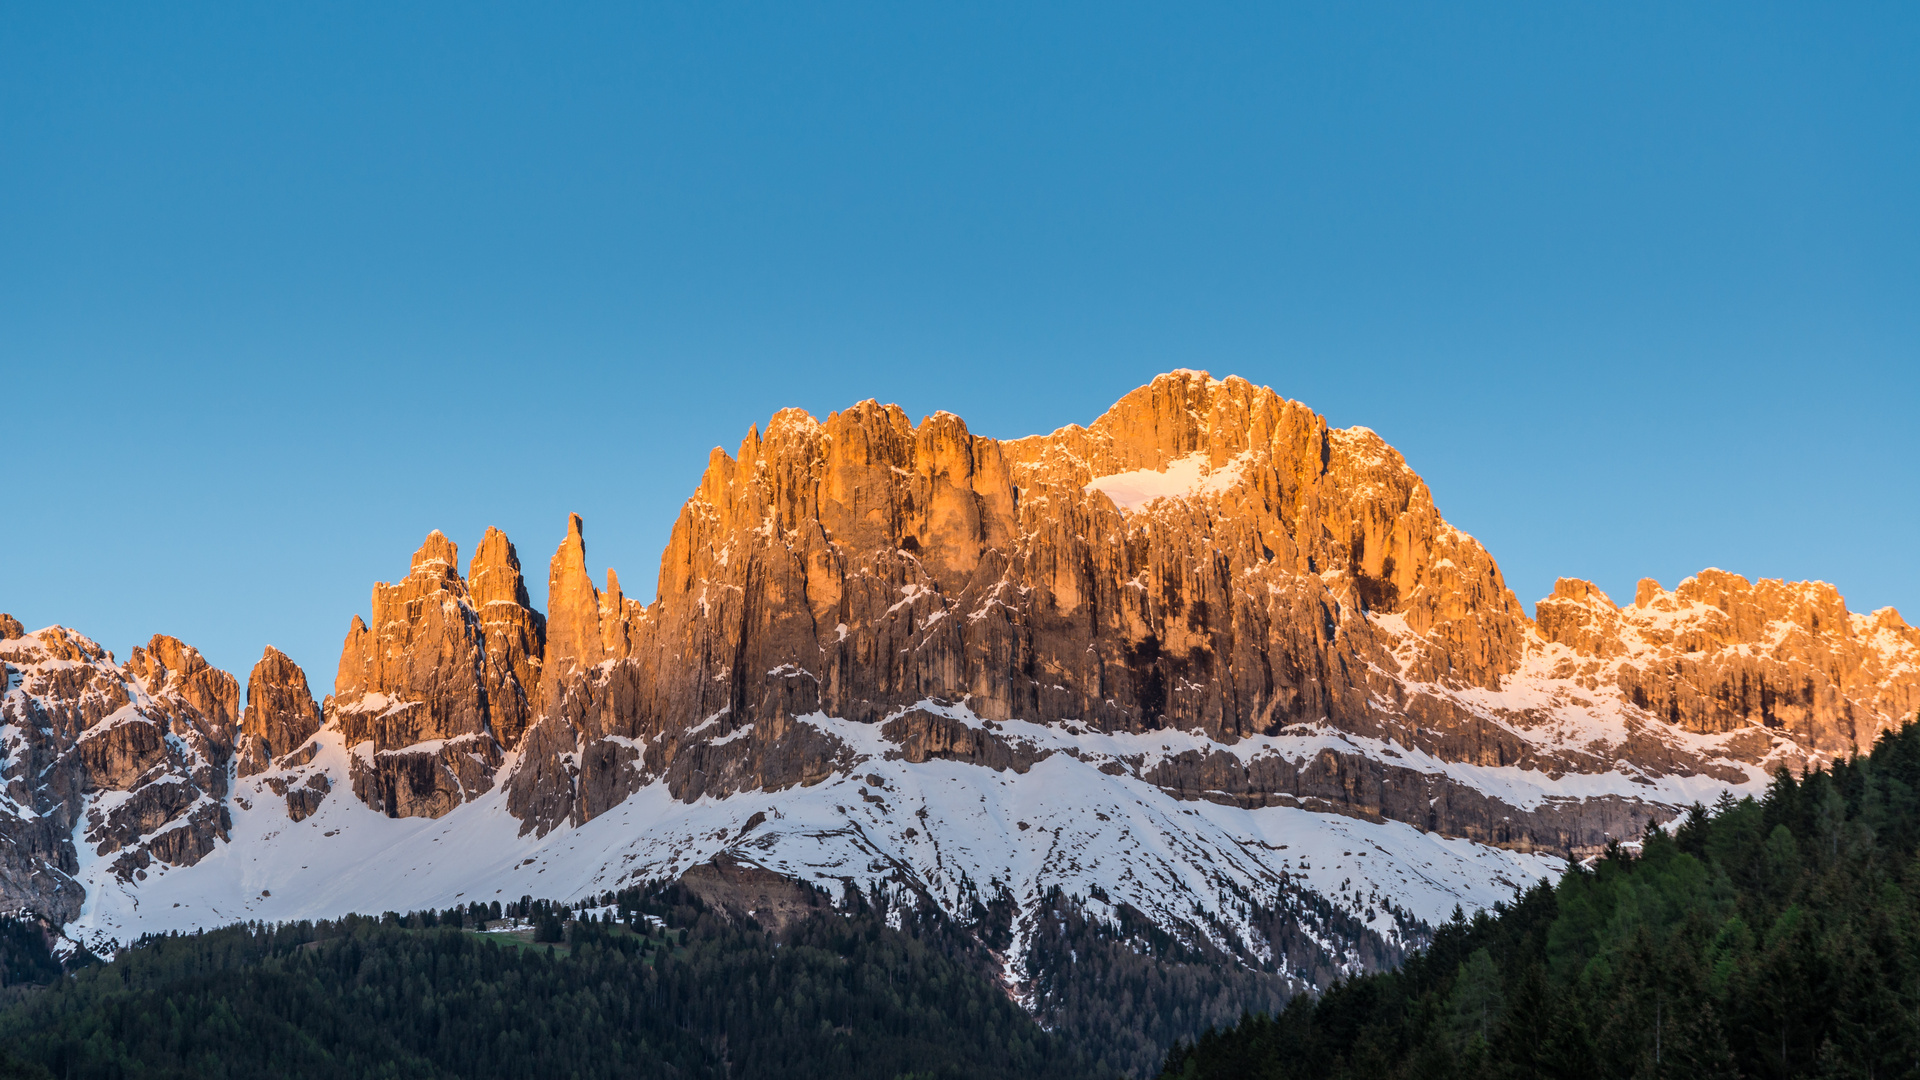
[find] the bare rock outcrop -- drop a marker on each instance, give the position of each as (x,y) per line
(924,736)
(1207,556)
(585,625)
(175,810)
(1720,654)
(280,715)
(430,694)
(303,800)
(155,734)
(602,733)
(772,900)
(416,672)
(211,698)
(514,634)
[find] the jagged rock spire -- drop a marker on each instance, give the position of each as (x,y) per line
(280,713)
(573,605)
(514,633)
(441,663)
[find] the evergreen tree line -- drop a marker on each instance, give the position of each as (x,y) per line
(1770,937)
(549,920)
(840,995)
(1108,996)
(1122,991)
(25,959)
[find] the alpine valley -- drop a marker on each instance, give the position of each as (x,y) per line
(1205,682)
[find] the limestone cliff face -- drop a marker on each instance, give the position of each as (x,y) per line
(1719,654)
(882,564)
(585,627)
(514,634)
(431,692)
(280,716)
(171,667)
(1206,556)
(155,734)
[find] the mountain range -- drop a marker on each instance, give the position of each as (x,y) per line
(1205,670)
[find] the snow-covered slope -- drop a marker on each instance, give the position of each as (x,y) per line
(951,831)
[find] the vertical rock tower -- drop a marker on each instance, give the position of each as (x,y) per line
(430,694)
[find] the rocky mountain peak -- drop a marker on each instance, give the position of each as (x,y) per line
(1579,615)
(437,555)
(1719,654)
(350,677)
(1887,621)
(494,575)
(280,715)
(10,627)
(1646,592)
(1204,556)
(61,643)
(167,665)
(430,691)
(130,760)
(515,636)
(573,605)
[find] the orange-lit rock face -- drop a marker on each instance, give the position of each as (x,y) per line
(1207,555)
(1278,603)
(514,635)
(280,715)
(441,663)
(1721,654)
(889,563)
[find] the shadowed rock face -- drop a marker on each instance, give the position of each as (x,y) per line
(923,736)
(772,900)
(156,734)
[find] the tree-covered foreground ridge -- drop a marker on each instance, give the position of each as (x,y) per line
(1768,937)
(648,983)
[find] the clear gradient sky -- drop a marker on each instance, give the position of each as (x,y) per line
(1636,287)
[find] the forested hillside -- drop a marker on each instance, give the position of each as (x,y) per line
(418,996)
(649,975)
(1762,938)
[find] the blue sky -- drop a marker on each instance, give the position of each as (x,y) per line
(1635,287)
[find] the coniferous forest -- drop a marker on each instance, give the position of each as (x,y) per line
(1769,937)
(689,994)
